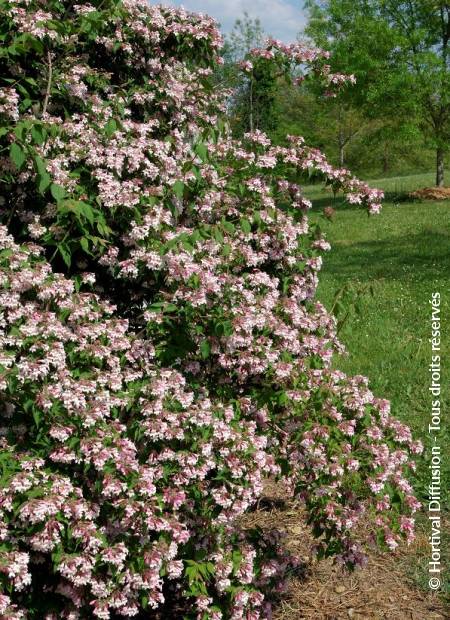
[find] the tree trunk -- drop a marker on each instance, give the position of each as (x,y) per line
(341,148)
(440,166)
(341,137)
(385,159)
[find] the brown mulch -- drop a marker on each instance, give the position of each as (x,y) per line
(432,193)
(323,591)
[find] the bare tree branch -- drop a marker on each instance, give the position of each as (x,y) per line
(49,83)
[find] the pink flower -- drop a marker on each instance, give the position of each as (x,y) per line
(246,66)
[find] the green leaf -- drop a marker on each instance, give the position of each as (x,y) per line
(36,416)
(226,250)
(25,104)
(37,135)
(229,227)
(44,182)
(227,328)
(65,253)
(110,127)
(40,164)
(144,601)
(197,172)
(224,328)
(44,179)
(17,155)
(205,349)
(218,236)
(19,129)
(202,151)
(283,398)
(236,559)
(246,226)
(87,211)
(84,244)
(58,192)
(178,189)
(162,306)
(187,246)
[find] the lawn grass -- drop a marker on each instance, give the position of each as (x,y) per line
(404,254)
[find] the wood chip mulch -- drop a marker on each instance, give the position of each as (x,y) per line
(383,590)
(432,193)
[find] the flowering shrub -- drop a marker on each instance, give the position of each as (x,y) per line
(162,349)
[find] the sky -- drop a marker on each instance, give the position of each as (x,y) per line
(283,19)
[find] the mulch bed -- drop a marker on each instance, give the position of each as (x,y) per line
(431,193)
(323,591)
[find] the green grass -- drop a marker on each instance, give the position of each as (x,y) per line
(404,254)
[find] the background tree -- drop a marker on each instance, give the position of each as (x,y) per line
(254,102)
(247,34)
(398,52)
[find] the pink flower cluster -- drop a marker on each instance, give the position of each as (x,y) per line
(9,101)
(307,61)
(135,444)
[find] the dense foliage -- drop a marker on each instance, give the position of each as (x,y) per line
(373,126)
(161,348)
(399,52)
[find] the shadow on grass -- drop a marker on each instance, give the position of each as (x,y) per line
(424,255)
(402,199)
(400,196)
(319,204)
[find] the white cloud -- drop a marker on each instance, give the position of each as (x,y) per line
(279,18)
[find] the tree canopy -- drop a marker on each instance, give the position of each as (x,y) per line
(398,52)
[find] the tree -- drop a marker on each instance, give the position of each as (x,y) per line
(399,54)
(247,34)
(162,350)
(254,99)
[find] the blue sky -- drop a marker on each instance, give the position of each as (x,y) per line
(283,19)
